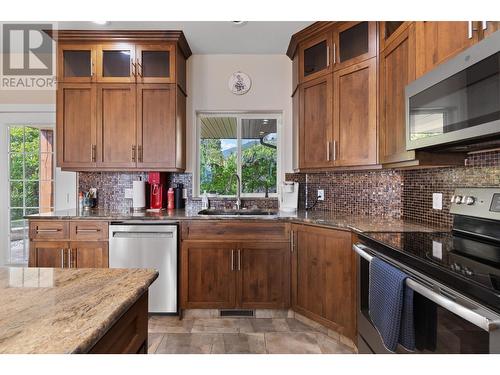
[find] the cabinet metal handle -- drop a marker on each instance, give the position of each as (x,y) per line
(62,258)
(470,29)
(48,230)
(91,67)
(232,260)
(327,55)
(139,68)
(334,53)
(133,153)
(69,258)
(292,245)
(92,153)
(328,151)
(334,150)
(239,260)
(485,24)
(87,230)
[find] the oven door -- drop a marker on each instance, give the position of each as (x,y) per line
(445,322)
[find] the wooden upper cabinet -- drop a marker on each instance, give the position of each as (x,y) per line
(437,41)
(264,275)
(116,63)
(353,42)
(489,27)
(156,125)
(76,62)
(155,63)
(390,30)
(116,123)
(76,125)
(355,115)
(397,69)
(315,124)
(315,57)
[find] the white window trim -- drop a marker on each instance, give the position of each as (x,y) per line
(277,115)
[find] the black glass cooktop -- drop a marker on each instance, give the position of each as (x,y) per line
(464,263)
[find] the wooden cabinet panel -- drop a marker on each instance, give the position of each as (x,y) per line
(315,57)
(116,119)
(156,126)
(235,230)
(323,277)
(48,230)
(397,69)
(489,27)
(89,230)
(88,254)
(76,62)
(155,63)
(315,124)
(264,275)
(355,114)
(437,41)
(390,30)
(48,254)
(115,63)
(354,42)
(76,125)
(208,275)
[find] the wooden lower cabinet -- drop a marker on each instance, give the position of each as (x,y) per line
(88,254)
(207,275)
(225,275)
(324,277)
(264,275)
(48,254)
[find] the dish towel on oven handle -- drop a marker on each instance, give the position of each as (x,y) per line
(391,305)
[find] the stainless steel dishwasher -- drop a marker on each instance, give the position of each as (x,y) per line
(148,245)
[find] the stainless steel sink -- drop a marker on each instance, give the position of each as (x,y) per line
(240,212)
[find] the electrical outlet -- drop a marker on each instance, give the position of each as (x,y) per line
(129,193)
(321,195)
(437,201)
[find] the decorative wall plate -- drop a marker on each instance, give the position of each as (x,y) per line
(239,83)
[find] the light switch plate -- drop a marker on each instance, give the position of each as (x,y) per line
(437,201)
(321,195)
(129,193)
(437,250)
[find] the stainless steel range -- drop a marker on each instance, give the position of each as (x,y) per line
(455,277)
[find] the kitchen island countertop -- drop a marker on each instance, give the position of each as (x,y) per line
(53,310)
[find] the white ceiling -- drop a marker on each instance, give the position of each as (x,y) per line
(215,37)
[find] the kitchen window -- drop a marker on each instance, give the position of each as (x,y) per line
(246,144)
(31,182)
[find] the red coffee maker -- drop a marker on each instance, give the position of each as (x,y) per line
(157,181)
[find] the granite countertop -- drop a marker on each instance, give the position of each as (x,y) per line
(50,310)
(320,218)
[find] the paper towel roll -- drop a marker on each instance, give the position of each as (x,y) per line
(139,194)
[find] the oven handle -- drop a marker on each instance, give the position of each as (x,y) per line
(471,316)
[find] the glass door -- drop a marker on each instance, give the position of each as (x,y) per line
(76,63)
(354,42)
(31,183)
(155,63)
(314,57)
(116,63)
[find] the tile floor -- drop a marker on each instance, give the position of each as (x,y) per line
(238,336)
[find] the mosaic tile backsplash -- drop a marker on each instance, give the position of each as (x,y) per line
(390,193)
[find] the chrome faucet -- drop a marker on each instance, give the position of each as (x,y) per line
(238,189)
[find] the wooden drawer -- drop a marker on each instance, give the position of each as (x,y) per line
(47,230)
(235,230)
(86,230)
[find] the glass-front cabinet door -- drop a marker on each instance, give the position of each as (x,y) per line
(76,63)
(155,63)
(116,63)
(314,57)
(354,42)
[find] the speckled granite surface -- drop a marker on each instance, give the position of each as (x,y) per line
(321,218)
(50,310)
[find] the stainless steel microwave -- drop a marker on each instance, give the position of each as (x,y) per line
(458,102)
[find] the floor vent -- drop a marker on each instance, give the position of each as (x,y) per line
(237,313)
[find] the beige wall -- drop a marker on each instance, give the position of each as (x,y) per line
(271,89)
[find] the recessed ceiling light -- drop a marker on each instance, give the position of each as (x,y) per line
(239,23)
(100,22)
